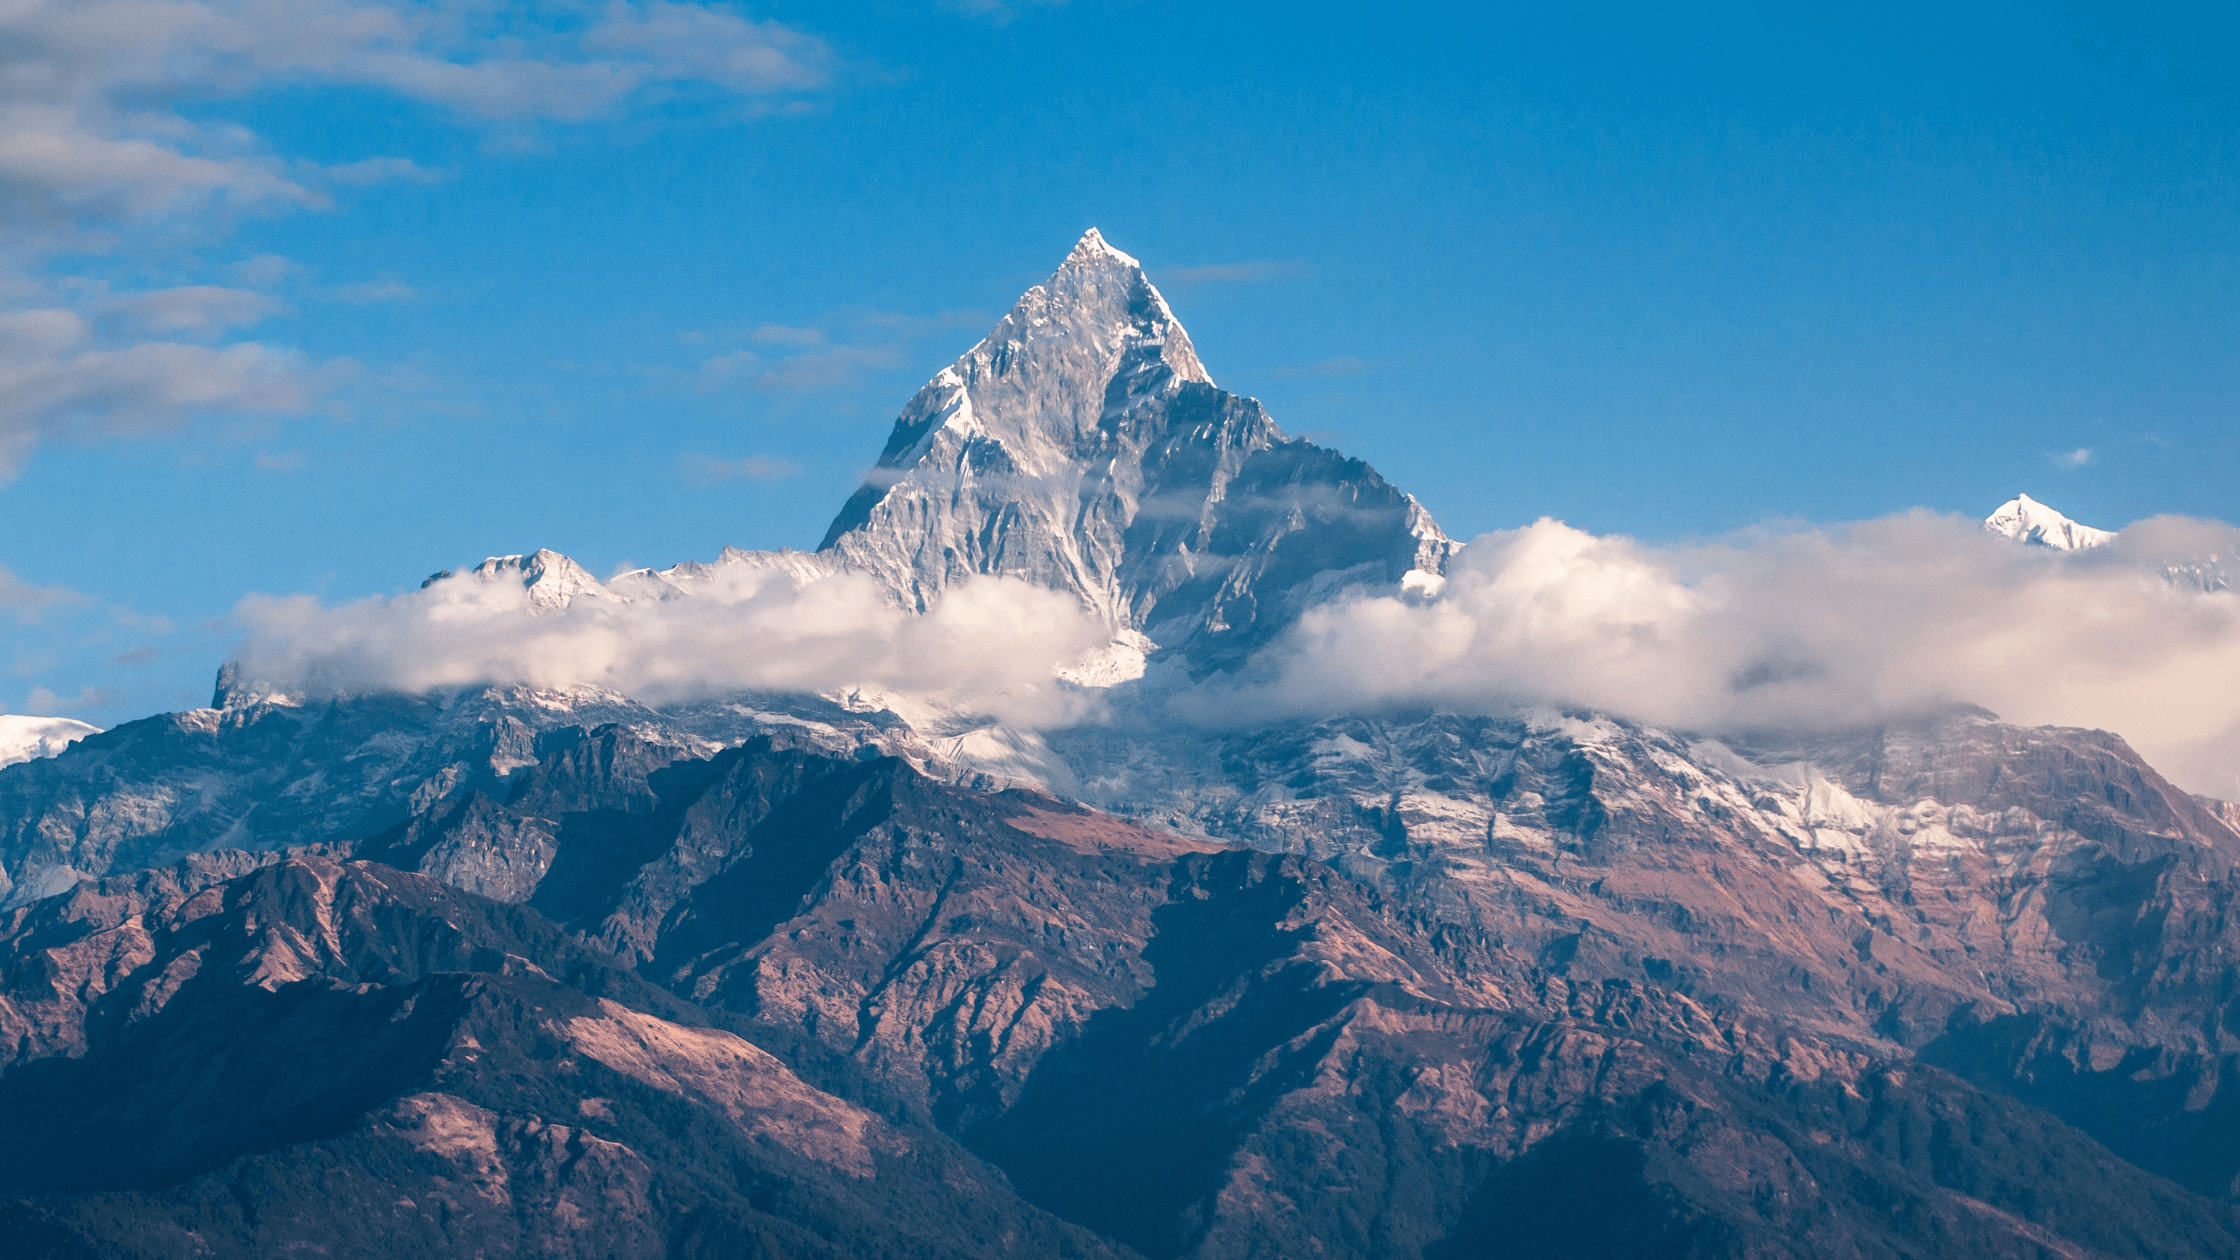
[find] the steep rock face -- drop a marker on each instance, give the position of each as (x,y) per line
(1082,446)
(2036,908)
(356,1060)
(1868,885)
(265,775)
(1204,1054)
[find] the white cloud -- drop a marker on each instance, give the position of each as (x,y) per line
(988,646)
(61,164)
(1823,629)
(680,42)
(1816,630)
(55,382)
(561,61)
(2077,458)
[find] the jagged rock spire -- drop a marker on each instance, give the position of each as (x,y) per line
(1083,446)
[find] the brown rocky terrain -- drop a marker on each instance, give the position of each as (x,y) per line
(839,1007)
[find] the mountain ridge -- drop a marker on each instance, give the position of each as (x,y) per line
(1405,983)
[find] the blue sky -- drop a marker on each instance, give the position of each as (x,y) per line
(322,296)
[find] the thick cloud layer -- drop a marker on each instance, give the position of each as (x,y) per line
(1816,629)
(1811,630)
(990,646)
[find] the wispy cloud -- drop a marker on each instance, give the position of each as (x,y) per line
(997,12)
(55,381)
(1233,273)
(54,624)
(837,368)
(281,461)
(264,270)
(200,309)
(46,703)
(2077,458)
(369,292)
(708,470)
(726,370)
(28,604)
(95,145)
(898,324)
(380,171)
(780,335)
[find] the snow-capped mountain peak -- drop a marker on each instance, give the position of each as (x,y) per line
(553,580)
(1083,446)
(2026,520)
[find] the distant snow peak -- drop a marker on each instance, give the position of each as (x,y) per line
(26,738)
(552,580)
(2026,520)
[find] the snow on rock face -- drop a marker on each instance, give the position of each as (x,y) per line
(2026,520)
(552,580)
(1082,446)
(24,738)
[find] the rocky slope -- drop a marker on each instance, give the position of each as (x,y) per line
(876,1012)
(347,1059)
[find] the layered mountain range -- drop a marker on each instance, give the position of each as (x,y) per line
(504,971)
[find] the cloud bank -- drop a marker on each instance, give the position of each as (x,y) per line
(1820,629)
(1807,630)
(989,646)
